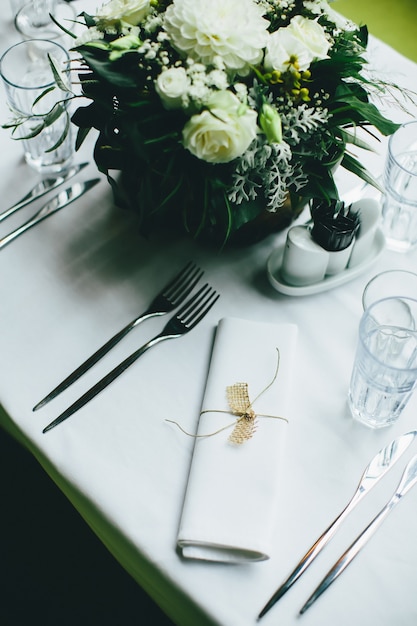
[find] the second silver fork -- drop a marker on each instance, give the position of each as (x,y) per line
(171,296)
(190,314)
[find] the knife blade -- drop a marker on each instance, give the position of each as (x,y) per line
(374,471)
(58,202)
(41,188)
(408,480)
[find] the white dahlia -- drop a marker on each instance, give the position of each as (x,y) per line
(234,30)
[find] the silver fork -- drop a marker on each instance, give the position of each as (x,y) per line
(171,296)
(185,320)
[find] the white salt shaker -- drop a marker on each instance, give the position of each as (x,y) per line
(304,261)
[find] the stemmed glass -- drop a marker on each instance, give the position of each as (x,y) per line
(33,21)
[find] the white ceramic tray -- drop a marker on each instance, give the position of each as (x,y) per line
(276,280)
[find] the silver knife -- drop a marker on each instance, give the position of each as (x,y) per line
(374,471)
(58,202)
(41,188)
(408,479)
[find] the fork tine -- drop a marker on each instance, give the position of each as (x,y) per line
(203,309)
(176,282)
(194,310)
(172,295)
(189,305)
(178,277)
(183,284)
(189,314)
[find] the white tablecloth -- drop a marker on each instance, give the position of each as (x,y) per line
(69,284)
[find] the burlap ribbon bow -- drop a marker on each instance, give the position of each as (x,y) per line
(241,406)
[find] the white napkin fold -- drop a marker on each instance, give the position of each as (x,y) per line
(233,492)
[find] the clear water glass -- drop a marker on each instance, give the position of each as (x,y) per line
(33,20)
(384,372)
(24,81)
(399,208)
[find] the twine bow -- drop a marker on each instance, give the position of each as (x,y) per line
(241,406)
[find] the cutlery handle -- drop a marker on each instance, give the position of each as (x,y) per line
(374,471)
(348,556)
(58,202)
(105,381)
(41,188)
(92,360)
(17,206)
(177,289)
(15,233)
(409,478)
(308,558)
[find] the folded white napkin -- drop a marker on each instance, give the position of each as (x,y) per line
(233,492)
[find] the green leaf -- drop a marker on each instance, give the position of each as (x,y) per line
(107,70)
(63,136)
(54,114)
(353,139)
(81,135)
(36,130)
(367,111)
(352,165)
(57,73)
(320,184)
(13,124)
(89,19)
(84,116)
(246,212)
(42,95)
(68,32)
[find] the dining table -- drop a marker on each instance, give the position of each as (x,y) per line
(74,280)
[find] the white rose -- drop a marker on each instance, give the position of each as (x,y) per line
(171,85)
(311,34)
(130,11)
(222,132)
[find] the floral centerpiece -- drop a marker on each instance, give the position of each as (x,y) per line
(220,114)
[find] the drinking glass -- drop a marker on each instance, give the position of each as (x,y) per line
(25,80)
(384,372)
(16,5)
(399,209)
(33,21)
(398,283)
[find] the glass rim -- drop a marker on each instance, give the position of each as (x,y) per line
(22,43)
(383,273)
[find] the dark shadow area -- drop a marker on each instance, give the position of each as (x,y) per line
(54,570)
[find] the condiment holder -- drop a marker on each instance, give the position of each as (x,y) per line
(338,237)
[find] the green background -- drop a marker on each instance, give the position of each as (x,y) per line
(393,21)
